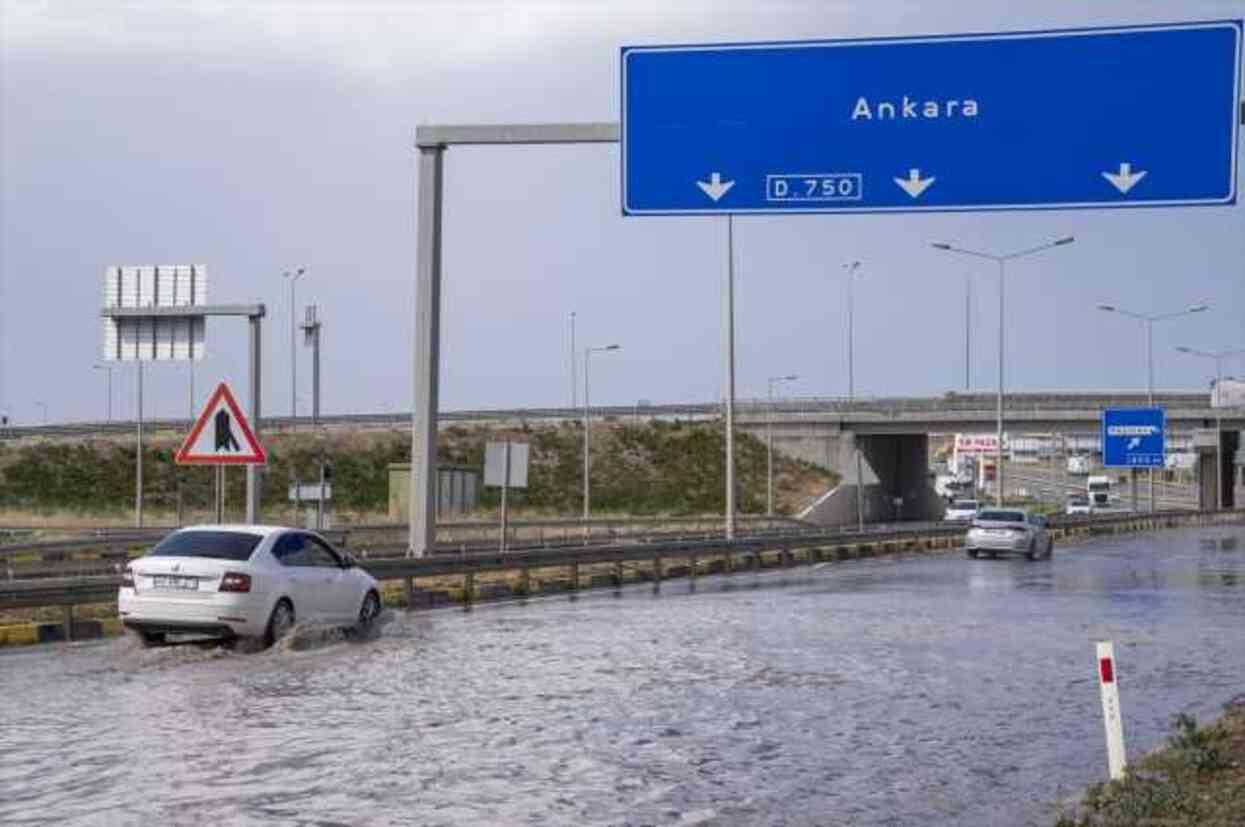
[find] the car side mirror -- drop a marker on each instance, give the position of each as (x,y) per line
(348,562)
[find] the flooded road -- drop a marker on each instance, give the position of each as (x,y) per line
(902,691)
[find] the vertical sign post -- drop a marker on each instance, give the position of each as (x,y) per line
(1107,682)
(505,465)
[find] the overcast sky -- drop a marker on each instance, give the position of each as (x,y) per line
(257,137)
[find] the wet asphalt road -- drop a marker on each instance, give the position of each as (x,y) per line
(902,691)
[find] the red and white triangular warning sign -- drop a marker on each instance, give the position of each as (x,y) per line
(221,435)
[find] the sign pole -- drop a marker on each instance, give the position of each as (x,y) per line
(728,323)
(138,455)
(253,480)
(1110,692)
(421,502)
(320,500)
(505,486)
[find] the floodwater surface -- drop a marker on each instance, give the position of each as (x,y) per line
(923,690)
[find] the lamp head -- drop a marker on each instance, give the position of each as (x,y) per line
(1110,308)
(1065,240)
(940,245)
(1198,308)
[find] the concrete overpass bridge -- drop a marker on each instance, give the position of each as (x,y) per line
(892,434)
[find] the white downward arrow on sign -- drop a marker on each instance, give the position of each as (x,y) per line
(1125,179)
(914,184)
(716,187)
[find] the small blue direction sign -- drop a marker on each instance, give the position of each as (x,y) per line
(1132,437)
(1132,116)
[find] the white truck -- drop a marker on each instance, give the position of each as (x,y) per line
(1099,490)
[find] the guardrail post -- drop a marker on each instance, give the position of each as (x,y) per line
(691,568)
(525,581)
(575,576)
(69,622)
(408,590)
(469,587)
(657,573)
(618,574)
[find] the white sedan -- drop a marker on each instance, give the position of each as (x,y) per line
(243,581)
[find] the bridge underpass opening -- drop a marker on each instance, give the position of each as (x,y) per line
(895,484)
(1225,478)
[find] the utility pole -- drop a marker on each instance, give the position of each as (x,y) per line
(311,338)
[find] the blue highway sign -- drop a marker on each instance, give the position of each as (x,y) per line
(1133,437)
(1120,117)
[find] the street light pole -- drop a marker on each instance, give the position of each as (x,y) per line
(851,268)
(1218,357)
(293,277)
(968,316)
(1147,322)
(108,388)
(588,351)
(1001,260)
(574,380)
(44,406)
(769,443)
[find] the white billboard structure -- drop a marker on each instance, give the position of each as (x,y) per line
(154,339)
(157,288)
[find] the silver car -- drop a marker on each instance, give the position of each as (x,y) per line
(1009,531)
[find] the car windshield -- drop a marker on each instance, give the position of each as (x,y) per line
(220,545)
(967,505)
(1002,516)
(1078,500)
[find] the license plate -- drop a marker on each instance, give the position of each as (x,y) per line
(165,581)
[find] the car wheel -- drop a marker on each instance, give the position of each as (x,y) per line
(971,552)
(1050,548)
(370,610)
(1031,554)
(280,622)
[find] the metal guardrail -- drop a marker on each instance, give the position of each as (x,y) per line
(103,588)
(105,552)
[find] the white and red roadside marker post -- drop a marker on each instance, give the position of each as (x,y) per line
(1107,683)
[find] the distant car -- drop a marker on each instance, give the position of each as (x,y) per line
(1077,504)
(961,511)
(1078,464)
(243,581)
(1009,531)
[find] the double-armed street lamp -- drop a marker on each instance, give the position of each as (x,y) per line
(1218,357)
(588,351)
(1147,322)
(769,442)
(1001,260)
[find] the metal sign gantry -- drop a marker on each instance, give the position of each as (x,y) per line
(431,142)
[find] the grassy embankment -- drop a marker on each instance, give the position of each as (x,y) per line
(655,468)
(1197,780)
